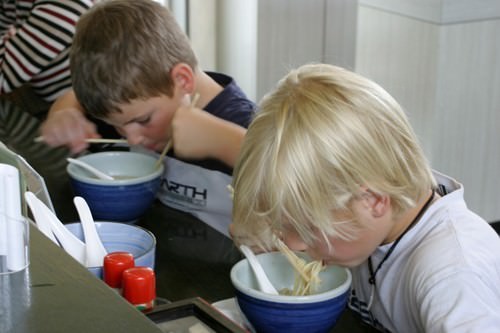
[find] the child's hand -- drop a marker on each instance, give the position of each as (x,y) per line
(197,134)
(192,132)
(68,127)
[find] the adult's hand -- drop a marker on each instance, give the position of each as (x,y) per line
(66,125)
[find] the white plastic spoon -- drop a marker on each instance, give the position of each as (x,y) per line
(69,242)
(262,280)
(90,168)
(41,222)
(95,249)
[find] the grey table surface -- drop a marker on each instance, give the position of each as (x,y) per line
(57,294)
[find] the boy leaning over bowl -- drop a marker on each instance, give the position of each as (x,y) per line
(134,68)
(352,187)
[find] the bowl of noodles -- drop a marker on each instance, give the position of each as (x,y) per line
(300,306)
(125,198)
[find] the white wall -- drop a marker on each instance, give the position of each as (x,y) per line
(441,60)
(237,42)
(294,32)
(203,32)
(259,41)
(224,36)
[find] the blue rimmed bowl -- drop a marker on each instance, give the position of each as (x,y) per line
(124,199)
(141,243)
(291,314)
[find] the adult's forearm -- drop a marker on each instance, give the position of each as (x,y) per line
(66,101)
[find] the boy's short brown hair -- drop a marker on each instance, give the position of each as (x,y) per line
(124,50)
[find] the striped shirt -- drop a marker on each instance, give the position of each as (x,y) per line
(34,45)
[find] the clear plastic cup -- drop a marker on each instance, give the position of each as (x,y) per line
(14,244)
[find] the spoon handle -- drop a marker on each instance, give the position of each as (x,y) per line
(69,242)
(90,168)
(41,222)
(262,279)
(95,249)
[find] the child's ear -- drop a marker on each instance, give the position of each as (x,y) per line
(377,204)
(183,77)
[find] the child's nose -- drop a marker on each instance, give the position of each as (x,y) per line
(121,131)
(133,137)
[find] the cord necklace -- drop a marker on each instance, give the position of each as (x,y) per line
(373,273)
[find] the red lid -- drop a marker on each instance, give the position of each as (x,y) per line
(139,285)
(114,265)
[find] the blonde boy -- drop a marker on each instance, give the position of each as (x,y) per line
(342,176)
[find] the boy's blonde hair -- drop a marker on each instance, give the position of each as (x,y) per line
(124,50)
(320,135)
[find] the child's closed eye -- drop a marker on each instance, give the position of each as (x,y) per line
(143,121)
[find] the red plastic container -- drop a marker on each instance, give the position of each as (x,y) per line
(139,287)
(115,263)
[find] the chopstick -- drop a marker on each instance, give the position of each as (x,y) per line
(169,143)
(163,153)
(91,140)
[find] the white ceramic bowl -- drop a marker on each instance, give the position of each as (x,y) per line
(124,199)
(141,243)
(291,314)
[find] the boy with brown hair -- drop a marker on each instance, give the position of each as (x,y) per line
(134,68)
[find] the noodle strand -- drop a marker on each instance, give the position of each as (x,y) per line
(307,277)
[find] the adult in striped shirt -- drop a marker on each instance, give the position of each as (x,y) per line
(36,36)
